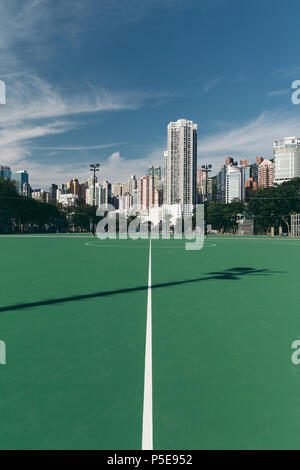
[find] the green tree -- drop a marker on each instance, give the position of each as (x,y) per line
(272,207)
(26,211)
(224,216)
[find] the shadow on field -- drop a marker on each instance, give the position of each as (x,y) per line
(231,274)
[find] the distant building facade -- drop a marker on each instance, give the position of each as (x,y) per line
(286,159)
(5,172)
(266,174)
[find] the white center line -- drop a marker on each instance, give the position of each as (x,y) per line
(147,437)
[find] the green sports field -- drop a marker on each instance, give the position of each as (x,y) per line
(73,317)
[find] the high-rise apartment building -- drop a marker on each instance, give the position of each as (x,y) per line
(255,166)
(287,159)
(73,186)
(131,184)
(266,174)
(107,192)
(116,189)
(180,163)
(147,192)
(99,195)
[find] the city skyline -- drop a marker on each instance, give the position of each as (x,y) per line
(180,183)
(151,170)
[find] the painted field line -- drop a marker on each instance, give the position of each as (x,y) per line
(147,436)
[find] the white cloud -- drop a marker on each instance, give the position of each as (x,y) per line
(249,140)
(115,168)
(11,135)
(29,98)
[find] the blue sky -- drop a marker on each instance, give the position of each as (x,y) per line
(99,80)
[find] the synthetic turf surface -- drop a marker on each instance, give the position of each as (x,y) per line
(224,319)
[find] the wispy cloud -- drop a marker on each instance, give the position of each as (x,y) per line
(115,168)
(288,72)
(29,98)
(239,78)
(211,84)
(11,135)
(249,140)
(79,148)
(282,92)
(33,21)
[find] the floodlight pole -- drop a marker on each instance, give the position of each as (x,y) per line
(207,169)
(94,167)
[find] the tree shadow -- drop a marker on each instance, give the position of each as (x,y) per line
(231,274)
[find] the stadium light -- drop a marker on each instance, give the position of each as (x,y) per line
(94,167)
(206,168)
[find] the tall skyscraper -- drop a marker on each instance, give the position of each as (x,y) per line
(287,159)
(181,163)
(21,180)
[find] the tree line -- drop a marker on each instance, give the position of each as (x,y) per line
(268,207)
(22,213)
